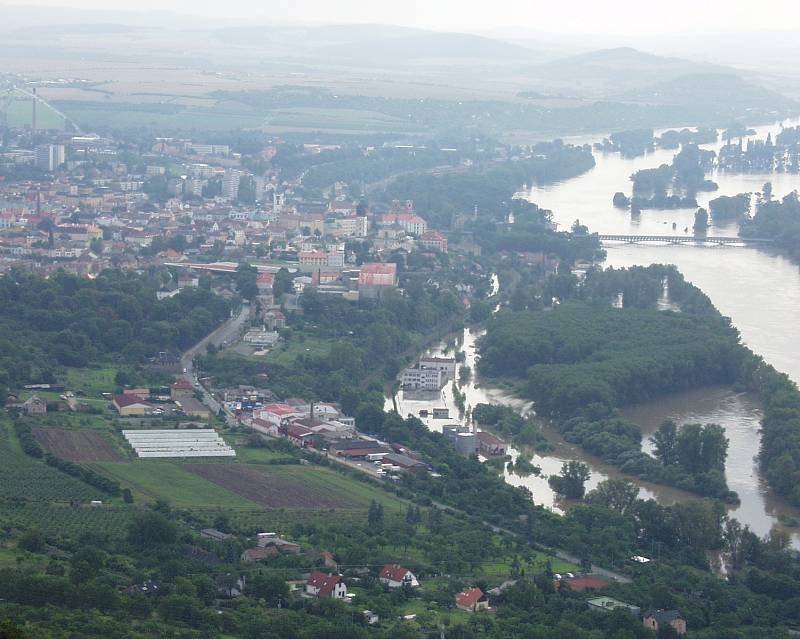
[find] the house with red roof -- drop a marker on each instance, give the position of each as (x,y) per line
(434,241)
(583,584)
(325,586)
(395,576)
(181,388)
(472,600)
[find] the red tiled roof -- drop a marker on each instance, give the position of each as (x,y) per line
(587,583)
(393,572)
(279,409)
(488,439)
(297,431)
(181,384)
(468,598)
(324,583)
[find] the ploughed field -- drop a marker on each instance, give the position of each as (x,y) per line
(76,445)
(280,489)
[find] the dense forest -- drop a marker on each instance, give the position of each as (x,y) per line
(438,198)
(583,358)
(47,324)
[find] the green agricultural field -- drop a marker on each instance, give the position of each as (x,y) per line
(150,480)
(343,119)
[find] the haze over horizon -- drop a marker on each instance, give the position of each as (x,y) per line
(620,17)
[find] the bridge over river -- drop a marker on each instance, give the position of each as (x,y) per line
(686,239)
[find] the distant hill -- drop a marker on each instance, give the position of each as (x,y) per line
(708,89)
(609,71)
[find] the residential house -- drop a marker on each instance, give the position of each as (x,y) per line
(658,619)
(370,618)
(583,584)
(434,240)
(258,554)
(230,586)
(181,389)
(395,576)
(472,600)
(326,586)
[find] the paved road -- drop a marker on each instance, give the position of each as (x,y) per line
(228,331)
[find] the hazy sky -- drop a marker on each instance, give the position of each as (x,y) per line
(579,16)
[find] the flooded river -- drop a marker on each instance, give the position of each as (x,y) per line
(759,290)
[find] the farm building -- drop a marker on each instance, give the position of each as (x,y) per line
(326,586)
(395,576)
(405,463)
(357,449)
(472,600)
(194,408)
(131,406)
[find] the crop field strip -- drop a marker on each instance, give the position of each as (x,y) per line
(163,479)
(271,489)
(76,445)
(294,487)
